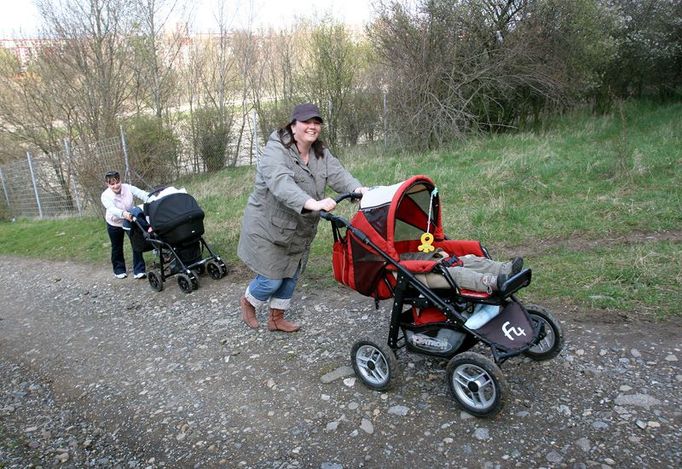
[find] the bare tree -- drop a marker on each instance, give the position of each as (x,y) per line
(277,74)
(157,47)
(31,118)
(332,71)
(215,76)
(88,62)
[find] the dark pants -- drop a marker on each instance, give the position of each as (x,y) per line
(116,235)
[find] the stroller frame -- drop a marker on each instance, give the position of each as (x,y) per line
(476,382)
(187,274)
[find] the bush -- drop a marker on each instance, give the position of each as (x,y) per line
(213,134)
(153,150)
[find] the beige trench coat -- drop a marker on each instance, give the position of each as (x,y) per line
(276,235)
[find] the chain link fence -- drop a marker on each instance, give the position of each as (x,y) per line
(70,182)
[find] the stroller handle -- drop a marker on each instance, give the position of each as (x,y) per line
(348,195)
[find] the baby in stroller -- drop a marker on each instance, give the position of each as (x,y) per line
(448,295)
(470,272)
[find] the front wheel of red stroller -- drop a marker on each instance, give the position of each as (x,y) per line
(186,283)
(155,281)
(477,384)
(375,364)
(551,336)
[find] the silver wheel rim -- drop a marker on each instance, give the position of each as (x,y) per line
(372,365)
(547,341)
(474,386)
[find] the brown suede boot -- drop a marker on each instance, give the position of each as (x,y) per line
(276,322)
(248,313)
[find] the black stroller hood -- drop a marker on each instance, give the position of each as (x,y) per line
(173,211)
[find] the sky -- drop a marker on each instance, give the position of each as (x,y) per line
(19,18)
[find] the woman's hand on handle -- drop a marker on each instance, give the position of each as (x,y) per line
(327,205)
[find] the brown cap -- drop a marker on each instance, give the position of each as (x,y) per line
(306,111)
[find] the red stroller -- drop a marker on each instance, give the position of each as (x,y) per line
(406,218)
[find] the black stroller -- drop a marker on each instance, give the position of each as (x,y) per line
(431,314)
(172,226)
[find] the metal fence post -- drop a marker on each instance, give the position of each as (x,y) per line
(255,144)
(72,177)
(385,119)
(124,146)
(35,184)
(4,188)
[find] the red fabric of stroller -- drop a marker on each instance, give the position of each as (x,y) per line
(394,218)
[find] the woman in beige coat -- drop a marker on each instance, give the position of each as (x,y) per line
(282,213)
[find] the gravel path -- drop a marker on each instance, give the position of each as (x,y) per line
(101,372)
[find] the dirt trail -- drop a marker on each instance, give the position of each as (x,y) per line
(101,372)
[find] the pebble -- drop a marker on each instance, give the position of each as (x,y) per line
(554,457)
(481,434)
(366,426)
(398,410)
(584,444)
(340,372)
(639,400)
(599,425)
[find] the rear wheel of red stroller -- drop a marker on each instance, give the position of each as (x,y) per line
(185,283)
(154,280)
(214,270)
(551,339)
(477,384)
(375,364)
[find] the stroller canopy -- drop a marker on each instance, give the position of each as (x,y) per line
(391,221)
(401,213)
(176,217)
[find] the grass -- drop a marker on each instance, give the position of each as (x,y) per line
(585,178)
(642,278)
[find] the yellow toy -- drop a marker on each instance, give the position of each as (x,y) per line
(426,245)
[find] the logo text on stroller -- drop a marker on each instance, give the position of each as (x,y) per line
(507,329)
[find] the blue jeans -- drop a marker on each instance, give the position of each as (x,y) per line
(278,292)
(141,220)
(116,235)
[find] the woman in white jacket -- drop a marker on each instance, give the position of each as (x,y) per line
(118,201)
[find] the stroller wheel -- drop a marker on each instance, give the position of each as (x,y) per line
(186,283)
(476,383)
(195,280)
(215,270)
(155,281)
(374,363)
(550,339)
(223,267)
